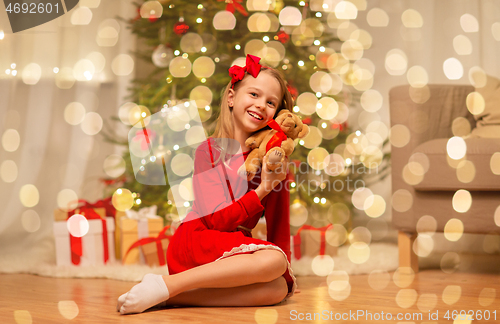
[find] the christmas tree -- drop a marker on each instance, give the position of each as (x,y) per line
(190,47)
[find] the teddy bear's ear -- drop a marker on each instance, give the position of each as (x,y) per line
(305,130)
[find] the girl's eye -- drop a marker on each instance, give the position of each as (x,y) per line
(271,103)
(253,94)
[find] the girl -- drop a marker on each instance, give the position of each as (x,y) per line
(212,258)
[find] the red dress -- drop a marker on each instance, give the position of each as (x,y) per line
(203,239)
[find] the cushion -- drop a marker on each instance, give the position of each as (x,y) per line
(441,176)
(488,121)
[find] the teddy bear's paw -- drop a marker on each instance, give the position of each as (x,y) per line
(276,155)
(251,144)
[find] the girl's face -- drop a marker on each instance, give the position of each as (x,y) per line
(255,102)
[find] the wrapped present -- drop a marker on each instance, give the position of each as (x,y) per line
(154,248)
(311,241)
(103,207)
(96,247)
(135,226)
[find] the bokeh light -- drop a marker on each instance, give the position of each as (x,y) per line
(402,200)
(122,199)
(358,252)
(469,23)
(399,135)
(451,294)
(180,67)
(487,296)
(396,62)
(377,17)
(74,113)
(339,287)
(403,277)
(266,316)
(122,65)
(30,221)
(322,265)
(224,20)
(11,140)
(462,201)
(406,298)
(475,103)
(462,45)
(427,302)
(78,225)
(81,16)
(453,69)
(412,19)
(114,165)
(453,230)
(22,316)
(68,309)
(495,163)
(456,148)
(8,171)
(92,123)
(29,195)
(67,199)
(32,73)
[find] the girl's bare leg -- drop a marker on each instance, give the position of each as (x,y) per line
(234,271)
(262,266)
(257,294)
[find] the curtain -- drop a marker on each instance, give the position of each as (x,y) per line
(42,154)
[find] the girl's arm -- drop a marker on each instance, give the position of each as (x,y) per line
(211,197)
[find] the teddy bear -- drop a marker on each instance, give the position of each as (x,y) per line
(280,139)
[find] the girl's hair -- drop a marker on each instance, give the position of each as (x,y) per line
(224,128)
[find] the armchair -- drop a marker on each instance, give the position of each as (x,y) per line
(428,184)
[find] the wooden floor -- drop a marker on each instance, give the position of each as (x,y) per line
(34,299)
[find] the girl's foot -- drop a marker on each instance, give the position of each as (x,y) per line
(151,291)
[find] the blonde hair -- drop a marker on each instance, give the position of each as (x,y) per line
(224,127)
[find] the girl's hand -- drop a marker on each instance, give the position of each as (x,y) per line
(270,179)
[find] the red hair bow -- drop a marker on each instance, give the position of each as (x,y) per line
(237,73)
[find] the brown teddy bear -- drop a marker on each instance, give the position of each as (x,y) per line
(285,128)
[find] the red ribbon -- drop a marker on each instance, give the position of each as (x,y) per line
(76,242)
(151,239)
(103,203)
(297,240)
(277,138)
(237,73)
(232,4)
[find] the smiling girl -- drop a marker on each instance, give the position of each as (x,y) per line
(212,258)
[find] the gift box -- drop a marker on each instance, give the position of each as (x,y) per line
(135,226)
(311,241)
(103,207)
(96,247)
(154,248)
(150,251)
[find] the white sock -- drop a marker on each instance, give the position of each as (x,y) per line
(121,300)
(146,294)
